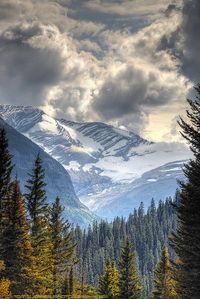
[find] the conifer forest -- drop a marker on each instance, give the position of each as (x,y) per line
(99,149)
(154,253)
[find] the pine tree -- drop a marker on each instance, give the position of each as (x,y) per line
(186,241)
(129,281)
(113,281)
(165,286)
(4,284)
(36,200)
(71,281)
(65,287)
(109,282)
(16,246)
(37,207)
(62,245)
(6,168)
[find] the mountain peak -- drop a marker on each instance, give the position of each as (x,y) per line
(99,157)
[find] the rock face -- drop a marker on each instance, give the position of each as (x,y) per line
(108,166)
(57,178)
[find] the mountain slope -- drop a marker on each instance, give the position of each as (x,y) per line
(58,180)
(158,183)
(102,160)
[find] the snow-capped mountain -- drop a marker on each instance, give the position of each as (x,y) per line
(57,178)
(102,160)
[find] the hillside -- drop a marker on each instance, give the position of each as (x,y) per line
(57,178)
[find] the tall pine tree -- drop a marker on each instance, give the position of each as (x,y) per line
(129,281)
(186,241)
(37,207)
(62,246)
(109,282)
(165,286)
(16,246)
(5,178)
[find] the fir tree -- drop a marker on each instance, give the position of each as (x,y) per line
(62,245)
(5,178)
(4,284)
(109,282)
(37,207)
(71,281)
(165,287)
(16,245)
(36,200)
(65,287)
(129,281)
(186,241)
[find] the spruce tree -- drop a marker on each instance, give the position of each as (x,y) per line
(62,246)
(129,281)
(37,207)
(16,246)
(6,168)
(4,284)
(109,282)
(186,241)
(71,280)
(165,286)
(36,200)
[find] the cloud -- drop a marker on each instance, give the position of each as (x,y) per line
(133,91)
(30,62)
(191,42)
(74,61)
(138,8)
(143,78)
(184,41)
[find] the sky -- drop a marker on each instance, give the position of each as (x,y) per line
(129,63)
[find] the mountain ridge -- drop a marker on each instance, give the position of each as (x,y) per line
(57,178)
(98,157)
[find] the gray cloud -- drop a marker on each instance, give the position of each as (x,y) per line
(28,66)
(70,57)
(184,42)
(132,92)
(191,41)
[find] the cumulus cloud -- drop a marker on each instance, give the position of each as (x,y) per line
(136,8)
(30,62)
(74,61)
(144,79)
(184,41)
(191,42)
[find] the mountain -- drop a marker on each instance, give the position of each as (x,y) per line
(108,166)
(158,183)
(57,178)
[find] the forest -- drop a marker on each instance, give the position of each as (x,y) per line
(154,253)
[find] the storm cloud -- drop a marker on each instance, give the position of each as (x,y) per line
(191,39)
(29,63)
(114,61)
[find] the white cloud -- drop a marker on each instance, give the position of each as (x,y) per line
(85,70)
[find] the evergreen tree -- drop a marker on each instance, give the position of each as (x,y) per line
(186,241)
(62,245)
(71,280)
(36,200)
(65,287)
(129,281)
(16,246)
(37,207)
(5,178)
(4,284)
(149,231)
(109,282)
(165,287)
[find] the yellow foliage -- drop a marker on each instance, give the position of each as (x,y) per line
(5,289)
(2,266)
